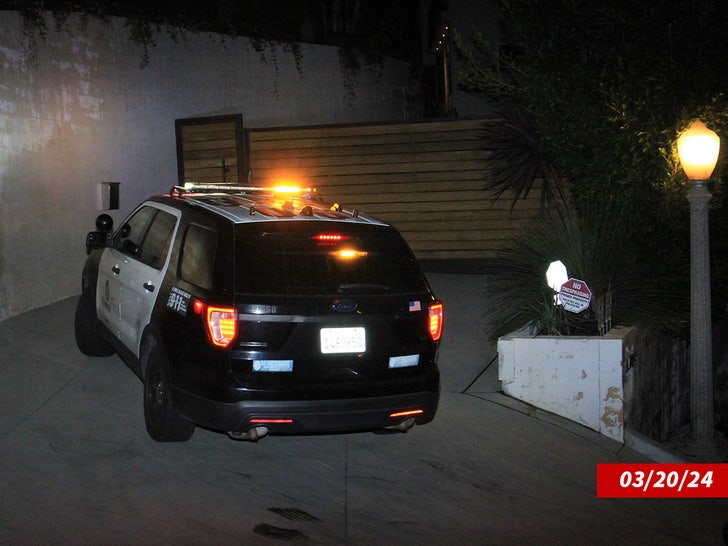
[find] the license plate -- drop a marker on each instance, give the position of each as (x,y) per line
(343,340)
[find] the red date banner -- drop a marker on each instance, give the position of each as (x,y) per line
(655,480)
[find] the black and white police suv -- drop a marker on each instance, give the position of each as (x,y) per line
(253,311)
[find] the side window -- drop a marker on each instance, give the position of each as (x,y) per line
(146,236)
(156,243)
(128,239)
(198,256)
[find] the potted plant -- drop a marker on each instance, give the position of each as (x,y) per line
(576,364)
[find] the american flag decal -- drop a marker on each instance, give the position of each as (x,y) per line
(415,306)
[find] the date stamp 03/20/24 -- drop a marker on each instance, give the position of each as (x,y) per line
(662,480)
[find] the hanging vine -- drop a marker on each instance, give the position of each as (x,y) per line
(366,33)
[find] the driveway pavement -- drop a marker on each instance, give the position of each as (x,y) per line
(77,467)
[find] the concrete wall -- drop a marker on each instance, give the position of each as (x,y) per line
(630,379)
(577,377)
(82,111)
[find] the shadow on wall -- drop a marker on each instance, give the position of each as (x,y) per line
(49,113)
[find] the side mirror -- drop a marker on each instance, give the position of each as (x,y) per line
(97,239)
(94,240)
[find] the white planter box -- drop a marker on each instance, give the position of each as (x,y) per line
(579,378)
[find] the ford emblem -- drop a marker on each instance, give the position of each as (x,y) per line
(344,306)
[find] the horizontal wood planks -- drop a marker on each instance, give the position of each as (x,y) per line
(210,149)
(428,179)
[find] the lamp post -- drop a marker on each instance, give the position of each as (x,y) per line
(698,149)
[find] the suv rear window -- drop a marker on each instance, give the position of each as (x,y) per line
(309,257)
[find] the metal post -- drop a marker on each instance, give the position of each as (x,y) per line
(701,353)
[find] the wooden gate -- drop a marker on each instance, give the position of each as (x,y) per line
(427,178)
(211,150)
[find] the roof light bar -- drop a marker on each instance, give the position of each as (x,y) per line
(289,189)
(197,187)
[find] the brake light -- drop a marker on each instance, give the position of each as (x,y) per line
(329,238)
(435,324)
(221,322)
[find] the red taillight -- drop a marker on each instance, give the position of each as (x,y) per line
(329,238)
(435,324)
(221,323)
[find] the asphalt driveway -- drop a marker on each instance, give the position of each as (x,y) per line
(78,467)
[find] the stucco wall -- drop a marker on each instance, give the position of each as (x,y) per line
(82,111)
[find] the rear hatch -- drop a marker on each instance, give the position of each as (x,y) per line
(332,309)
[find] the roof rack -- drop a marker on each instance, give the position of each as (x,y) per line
(312,204)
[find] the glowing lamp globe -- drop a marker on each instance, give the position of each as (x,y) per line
(556,275)
(698,149)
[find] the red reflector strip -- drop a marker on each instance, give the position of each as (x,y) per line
(407,413)
(271,421)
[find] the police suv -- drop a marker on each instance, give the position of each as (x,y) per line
(254,311)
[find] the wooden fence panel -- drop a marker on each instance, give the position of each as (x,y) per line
(428,179)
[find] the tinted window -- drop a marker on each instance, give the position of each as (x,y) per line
(300,257)
(198,256)
(156,243)
(146,236)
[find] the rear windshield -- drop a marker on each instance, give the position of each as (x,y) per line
(310,257)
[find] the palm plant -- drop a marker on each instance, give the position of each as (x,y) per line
(517,160)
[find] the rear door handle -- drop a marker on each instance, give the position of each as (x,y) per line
(116,270)
(148,286)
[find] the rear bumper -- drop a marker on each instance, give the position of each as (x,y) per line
(308,416)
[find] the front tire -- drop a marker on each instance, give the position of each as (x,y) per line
(86,326)
(163,422)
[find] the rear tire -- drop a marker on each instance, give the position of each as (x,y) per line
(86,326)
(163,422)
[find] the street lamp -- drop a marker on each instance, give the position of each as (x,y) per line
(698,149)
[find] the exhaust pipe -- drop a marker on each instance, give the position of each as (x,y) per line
(404,426)
(252,435)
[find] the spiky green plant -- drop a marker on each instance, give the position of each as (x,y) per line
(597,247)
(517,159)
